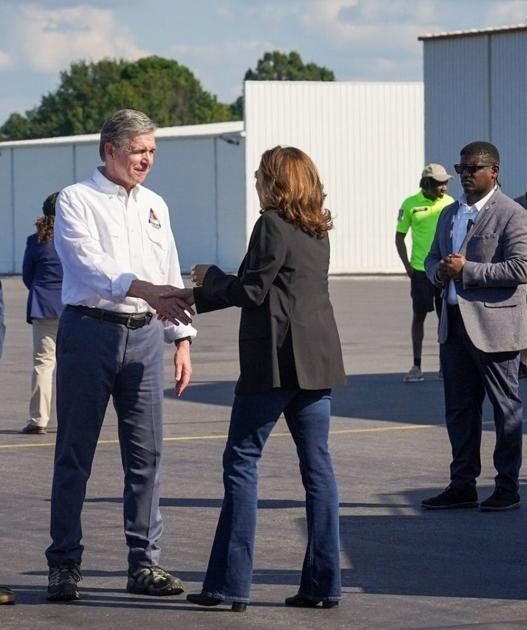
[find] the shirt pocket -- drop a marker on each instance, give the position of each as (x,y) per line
(155,245)
(482,247)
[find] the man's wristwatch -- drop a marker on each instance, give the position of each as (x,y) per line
(176,341)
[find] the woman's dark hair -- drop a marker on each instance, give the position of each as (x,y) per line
(288,181)
(45,223)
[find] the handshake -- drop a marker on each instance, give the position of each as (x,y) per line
(170,303)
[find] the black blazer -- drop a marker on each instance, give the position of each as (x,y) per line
(288,336)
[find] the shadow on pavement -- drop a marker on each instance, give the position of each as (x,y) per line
(263,504)
(382,397)
(448,553)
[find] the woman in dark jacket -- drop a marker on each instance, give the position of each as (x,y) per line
(290,359)
(42,275)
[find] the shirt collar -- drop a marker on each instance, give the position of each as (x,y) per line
(479,205)
(105,185)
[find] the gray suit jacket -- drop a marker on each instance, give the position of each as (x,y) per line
(492,293)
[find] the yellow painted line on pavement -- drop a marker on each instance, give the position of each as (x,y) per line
(195,438)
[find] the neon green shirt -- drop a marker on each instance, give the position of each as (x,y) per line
(421,214)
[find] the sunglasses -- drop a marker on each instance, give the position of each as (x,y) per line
(469,168)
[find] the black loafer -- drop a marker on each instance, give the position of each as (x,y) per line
(500,500)
(452,498)
(201,599)
(299,601)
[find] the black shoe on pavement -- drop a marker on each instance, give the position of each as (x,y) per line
(202,599)
(33,429)
(500,500)
(62,582)
(153,581)
(299,601)
(452,498)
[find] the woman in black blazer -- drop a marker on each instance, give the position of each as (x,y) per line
(290,358)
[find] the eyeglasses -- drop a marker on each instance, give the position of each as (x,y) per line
(469,168)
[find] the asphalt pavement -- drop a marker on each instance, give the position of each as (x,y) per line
(402,568)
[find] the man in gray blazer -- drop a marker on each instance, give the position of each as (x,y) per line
(479,258)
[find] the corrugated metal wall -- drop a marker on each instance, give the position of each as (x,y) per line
(475,89)
(200,177)
(367,140)
(509,107)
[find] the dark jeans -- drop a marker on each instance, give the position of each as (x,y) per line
(307,413)
(468,375)
(97,360)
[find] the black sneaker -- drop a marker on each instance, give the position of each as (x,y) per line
(452,498)
(501,499)
(153,581)
(62,582)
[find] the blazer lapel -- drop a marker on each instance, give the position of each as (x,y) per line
(484,215)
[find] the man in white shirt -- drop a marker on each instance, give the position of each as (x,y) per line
(118,253)
(479,258)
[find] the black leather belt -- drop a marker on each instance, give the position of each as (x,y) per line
(130,320)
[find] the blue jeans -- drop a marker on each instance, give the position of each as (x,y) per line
(307,413)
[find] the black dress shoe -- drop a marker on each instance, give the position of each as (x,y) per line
(299,601)
(207,600)
(452,498)
(500,500)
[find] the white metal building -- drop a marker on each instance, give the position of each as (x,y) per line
(475,89)
(366,138)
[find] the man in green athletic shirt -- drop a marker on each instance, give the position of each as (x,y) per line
(419,214)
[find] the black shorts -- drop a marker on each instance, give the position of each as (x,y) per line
(425,296)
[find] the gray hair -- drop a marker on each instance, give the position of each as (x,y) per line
(123,125)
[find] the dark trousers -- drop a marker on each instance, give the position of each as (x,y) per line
(97,360)
(307,413)
(468,375)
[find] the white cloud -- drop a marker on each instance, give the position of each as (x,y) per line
(374,24)
(508,12)
(5,59)
(222,52)
(52,38)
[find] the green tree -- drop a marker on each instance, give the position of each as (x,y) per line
(88,92)
(279,66)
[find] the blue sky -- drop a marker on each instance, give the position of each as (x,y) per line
(220,39)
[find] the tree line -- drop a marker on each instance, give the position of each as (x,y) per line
(166,90)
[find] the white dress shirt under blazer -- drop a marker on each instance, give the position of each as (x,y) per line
(106,238)
(460,227)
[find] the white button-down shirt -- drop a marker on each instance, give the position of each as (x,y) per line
(464,214)
(106,238)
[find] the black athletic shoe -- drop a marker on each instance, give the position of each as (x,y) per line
(62,582)
(500,500)
(153,581)
(452,498)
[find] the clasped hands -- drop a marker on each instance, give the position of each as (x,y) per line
(451,267)
(175,305)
